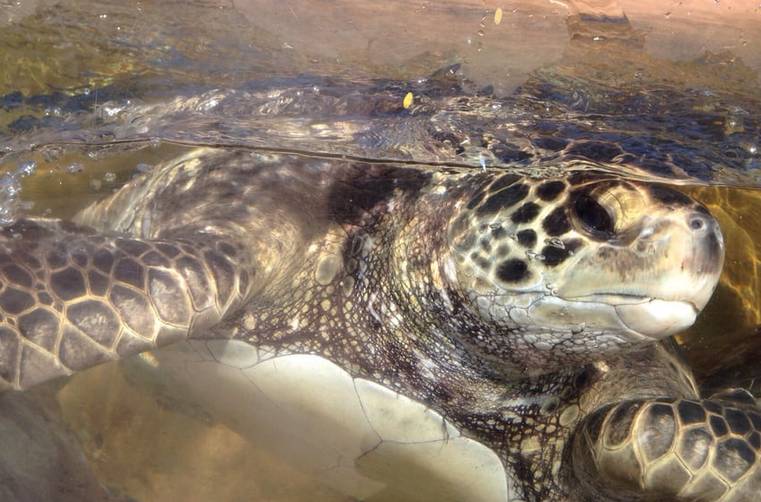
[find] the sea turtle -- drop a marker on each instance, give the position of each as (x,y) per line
(531,314)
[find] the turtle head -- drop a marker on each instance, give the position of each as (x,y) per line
(587,264)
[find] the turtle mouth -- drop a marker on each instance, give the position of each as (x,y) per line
(651,317)
(612,299)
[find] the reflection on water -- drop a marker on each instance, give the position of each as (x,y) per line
(663,92)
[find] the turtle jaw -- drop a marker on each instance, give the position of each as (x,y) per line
(658,318)
(646,317)
(630,319)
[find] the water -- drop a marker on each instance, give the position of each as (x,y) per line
(95,92)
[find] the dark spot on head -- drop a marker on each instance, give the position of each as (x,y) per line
(505,198)
(498,232)
(554,255)
(513,270)
(527,238)
(556,223)
(503,181)
(475,200)
(669,196)
(486,245)
(502,251)
(550,190)
(526,213)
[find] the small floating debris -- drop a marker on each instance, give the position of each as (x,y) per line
(74,168)
(109,177)
(408,99)
(498,15)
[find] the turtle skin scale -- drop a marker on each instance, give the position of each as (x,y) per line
(423,281)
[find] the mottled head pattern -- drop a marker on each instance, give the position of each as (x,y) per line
(587,263)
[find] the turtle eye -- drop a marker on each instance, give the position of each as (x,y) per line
(593,216)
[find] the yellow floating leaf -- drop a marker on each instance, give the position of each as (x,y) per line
(498,15)
(408,98)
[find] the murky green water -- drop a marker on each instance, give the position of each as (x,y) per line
(93,92)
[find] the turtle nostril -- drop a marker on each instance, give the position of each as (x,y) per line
(696,224)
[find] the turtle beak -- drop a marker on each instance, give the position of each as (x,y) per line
(658,318)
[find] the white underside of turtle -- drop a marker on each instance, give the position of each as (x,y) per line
(354,435)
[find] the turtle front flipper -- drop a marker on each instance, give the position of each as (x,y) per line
(670,450)
(71,298)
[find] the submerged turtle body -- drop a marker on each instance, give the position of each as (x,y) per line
(525,314)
